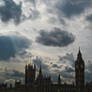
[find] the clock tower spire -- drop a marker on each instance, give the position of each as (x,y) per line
(79,71)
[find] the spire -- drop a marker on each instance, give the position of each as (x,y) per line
(26,67)
(59,80)
(40,73)
(79,56)
(79,51)
(40,70)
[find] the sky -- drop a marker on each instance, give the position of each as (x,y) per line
(47,33)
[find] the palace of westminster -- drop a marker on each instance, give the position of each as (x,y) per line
(42,83)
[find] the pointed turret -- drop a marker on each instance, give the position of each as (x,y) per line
(40,73)
(79,56)
(59,80)
(40,70)
(39,79)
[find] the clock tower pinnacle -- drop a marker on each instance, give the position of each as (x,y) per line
(79,71)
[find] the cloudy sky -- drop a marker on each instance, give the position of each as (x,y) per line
(50,32)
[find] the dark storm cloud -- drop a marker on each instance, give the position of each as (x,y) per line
(65,67)
(88,71)
(10,10)
(67,59)
(89,66)
(11,45)
(40,62)
(56,37)
(66,74)
(68,56)
(11,74)
(56,66)
(71,7)
(89,18)
(69,69)
(88,76)
(8,74)
(14,74)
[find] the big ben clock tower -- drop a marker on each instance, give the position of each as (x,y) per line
(79,71)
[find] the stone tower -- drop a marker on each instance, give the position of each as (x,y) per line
(30,74)
(79,71)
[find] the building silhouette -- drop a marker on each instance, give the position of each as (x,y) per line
(79,71)
(30,73)
(43,83)
(59,80)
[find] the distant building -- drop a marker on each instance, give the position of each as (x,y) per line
(30,76)
(43,83)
